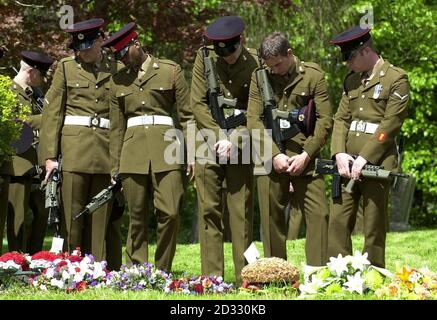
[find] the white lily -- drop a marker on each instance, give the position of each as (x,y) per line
(312,287)
(339,264)
(354,283)
(359,261)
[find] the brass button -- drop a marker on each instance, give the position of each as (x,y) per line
(143,102)
(230,81)
(97,100)
(303,93)
(363,96)
(229,94)
(97,86)
(357,134)
(141,89)
(147,127)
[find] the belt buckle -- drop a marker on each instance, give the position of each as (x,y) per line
(95,121)
(361,126)
(144,120)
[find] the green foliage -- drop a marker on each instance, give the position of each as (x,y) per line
(9,130)
(406,35)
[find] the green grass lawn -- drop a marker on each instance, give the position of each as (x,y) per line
(414,248)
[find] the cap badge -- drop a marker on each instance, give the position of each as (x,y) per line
(80,36)
(221,44)
(301,117)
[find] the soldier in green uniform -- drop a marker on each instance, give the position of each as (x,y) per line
(234,64)
(144,96)
(76,126)
(369,117)
(27,84)
(294,83)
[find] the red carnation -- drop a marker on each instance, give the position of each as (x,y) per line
(73,258)
(46,255)
(61,264)
(18,258)
(198,288)
(81,286)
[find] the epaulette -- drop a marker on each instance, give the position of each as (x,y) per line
(312,65)
(397,69)
(69,58)
(253,52)
(166,61)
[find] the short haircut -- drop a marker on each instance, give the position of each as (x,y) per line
(275,44)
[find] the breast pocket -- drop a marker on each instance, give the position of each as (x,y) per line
(299,97)
(378,97)
(78,92)
(161,93)
(124,96)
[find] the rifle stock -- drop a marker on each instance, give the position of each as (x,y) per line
(101,198)
(52,201)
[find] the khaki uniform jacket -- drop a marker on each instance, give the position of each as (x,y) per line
(305,81)
(26,160)
(234,82)
(382,101)
(161,90)
(76,91)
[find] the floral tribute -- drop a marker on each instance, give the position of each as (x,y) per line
(13,262)
(75,272)
(68,272)
(343,274)
(269,271)
(198,285)
(410,283)
(138,277)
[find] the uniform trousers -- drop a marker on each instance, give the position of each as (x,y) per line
(167,192)
(375,220)
(239,184)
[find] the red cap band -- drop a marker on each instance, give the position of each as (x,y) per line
(123,43)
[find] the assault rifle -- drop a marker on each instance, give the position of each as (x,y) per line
(101,198)
(215,97)
(273,116)
(369,171)
(52,201)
